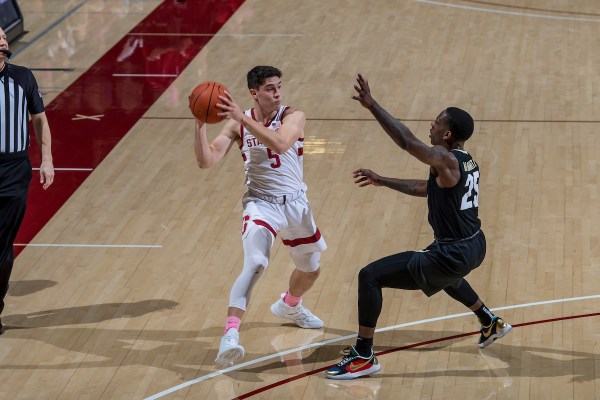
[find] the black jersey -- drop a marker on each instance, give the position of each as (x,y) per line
(453,212)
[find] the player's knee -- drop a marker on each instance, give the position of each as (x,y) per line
(256,264)
(367,275)
(308,263)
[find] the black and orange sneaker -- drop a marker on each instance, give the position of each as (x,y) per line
(353,366)
(497,329)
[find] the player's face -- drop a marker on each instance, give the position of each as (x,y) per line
(268,94)
(439,129)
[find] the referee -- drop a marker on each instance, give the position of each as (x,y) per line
(19,95)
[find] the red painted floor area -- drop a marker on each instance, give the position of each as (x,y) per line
(122,101)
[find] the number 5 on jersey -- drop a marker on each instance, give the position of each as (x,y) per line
(274,156)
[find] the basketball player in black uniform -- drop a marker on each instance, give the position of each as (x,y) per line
(452,192)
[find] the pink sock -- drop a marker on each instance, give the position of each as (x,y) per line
(232,322)
(290,300)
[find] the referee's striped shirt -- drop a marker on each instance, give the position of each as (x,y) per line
(19,94)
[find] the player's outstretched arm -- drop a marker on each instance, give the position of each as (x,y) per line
(208,154)
(399,132)
(437,157)
(414,187)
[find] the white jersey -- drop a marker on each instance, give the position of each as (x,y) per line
(267,172)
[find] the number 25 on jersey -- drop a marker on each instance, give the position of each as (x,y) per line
(472,192)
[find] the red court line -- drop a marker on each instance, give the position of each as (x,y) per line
(410,346)
(122,101)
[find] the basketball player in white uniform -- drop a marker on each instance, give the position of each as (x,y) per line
(270,137)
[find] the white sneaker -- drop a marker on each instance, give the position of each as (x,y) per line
(230,349)
(299,314)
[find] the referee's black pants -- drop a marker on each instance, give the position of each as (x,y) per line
(15,176)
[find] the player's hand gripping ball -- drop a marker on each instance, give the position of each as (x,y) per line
(204,100)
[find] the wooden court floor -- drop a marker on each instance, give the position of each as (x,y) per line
(123,293)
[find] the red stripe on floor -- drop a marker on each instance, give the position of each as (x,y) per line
(122,101)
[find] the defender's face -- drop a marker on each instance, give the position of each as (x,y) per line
(268,94)
(439,129)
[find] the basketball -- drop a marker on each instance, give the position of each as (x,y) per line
(204,100)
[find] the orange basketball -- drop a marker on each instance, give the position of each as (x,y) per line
(204,99)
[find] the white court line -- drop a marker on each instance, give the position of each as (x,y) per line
(339,339)
(149,75)
(520,14)
(68,169)
(218,34)
(115,246)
